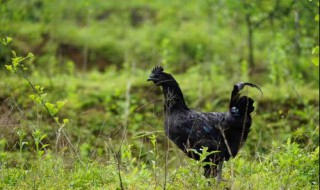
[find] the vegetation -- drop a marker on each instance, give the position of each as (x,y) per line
(76,110)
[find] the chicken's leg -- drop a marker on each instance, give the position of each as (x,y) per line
(219,171)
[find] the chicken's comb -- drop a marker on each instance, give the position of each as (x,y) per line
(157,69)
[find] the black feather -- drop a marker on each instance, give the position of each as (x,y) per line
(254,86)
(157,69)
(223,133)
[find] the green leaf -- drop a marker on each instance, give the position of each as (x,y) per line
(316,18)
(43,137)
(52,109)
(45,145)
(14,53)
(37,87)
(38,100)
(3,154)
(40,153)
(16,61)
(60,104)
(7,40)
(4,41)
(30,55)
(65,121)
(315,61)
(24,68)
(315,50)
(32,97)
(9,67)
(43,95)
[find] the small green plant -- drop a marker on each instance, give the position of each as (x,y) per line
(18,67)
(154,152)
(203,155)
(21,134)
(3,153)
(38,137)
(199,164)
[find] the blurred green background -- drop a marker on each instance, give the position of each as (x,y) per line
(95,57)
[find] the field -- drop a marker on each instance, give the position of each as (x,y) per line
(77,112)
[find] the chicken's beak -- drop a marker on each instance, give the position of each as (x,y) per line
(151,79)
(154,79)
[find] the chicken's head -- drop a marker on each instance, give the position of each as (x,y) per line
(159,77)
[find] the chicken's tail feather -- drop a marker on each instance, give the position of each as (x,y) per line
(241,105)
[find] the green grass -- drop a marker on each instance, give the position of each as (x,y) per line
(109,105)
(96,113)
(286,167)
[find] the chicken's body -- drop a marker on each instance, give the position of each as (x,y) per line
(223,133)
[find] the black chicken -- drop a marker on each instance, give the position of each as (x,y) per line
(224,133)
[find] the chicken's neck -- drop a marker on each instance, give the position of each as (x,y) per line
(174,99)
